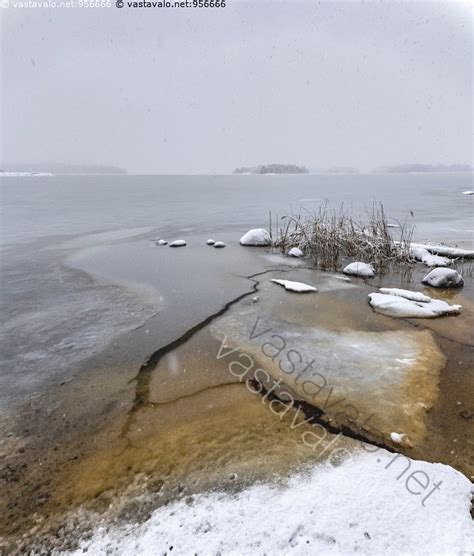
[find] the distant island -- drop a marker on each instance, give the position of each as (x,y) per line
(428,168)
(272,169)
(55,168)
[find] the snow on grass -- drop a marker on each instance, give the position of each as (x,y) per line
(178,243)
(372,503)
(257,238)
(407,294)
(423,255)
(299,287)
(401,307)
(443,278)
(295,252)
(360,269)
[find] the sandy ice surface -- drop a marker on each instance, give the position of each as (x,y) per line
(372,503)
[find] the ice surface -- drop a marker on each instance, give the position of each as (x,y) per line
(360,269)
(298,287)
(371,503)
(443,278)
(257,237)
(400,307)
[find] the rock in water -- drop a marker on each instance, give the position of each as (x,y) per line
(162,242)
(178,243)
(443,278)
(423,255)
(295,252)
(298,287)
(210,242)
(407,294)
(401,307)
(257,238)
(468,192)
(360,269)
(219,244)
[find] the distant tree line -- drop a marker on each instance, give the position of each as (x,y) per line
(272,169)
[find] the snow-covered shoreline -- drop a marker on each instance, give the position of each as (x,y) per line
(371,503)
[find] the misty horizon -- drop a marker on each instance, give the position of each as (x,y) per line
(321,85)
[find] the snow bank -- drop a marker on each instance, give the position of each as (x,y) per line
(443,278)
(219,244)
(298,287)
(444,250)
(407,294)
(423,255)
(258,237)
(372,503)
(360,269)
(295,252)
(178,243)
(400,307)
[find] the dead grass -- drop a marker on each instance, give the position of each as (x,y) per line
(331,236)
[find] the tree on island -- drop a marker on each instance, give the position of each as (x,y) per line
(272,169)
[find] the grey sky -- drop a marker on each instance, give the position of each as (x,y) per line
(206,90)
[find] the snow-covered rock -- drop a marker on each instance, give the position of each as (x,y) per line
(407,294)
(298,287)
(446,251)
(468,192)
(401,307)
(219,244)
(443,278)
(371,504)
(210,242)
(257,238)
(295,252)
(423,255)
(360,269)
(178,243)
(162,242)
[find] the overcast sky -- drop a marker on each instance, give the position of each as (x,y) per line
(205,90)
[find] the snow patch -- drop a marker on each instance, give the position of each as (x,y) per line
(360,269)
(443,278)
(295,252)
(401,307)
(257,238)
(362,506)
(407,294)
(298,287)
(423,255)
(178,243)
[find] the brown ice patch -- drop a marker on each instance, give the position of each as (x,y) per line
(373,381)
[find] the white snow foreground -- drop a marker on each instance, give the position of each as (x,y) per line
(423,255)
(367,505)
(443,278)
(393,302)
(257,238)
(360,269)
(299,287)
